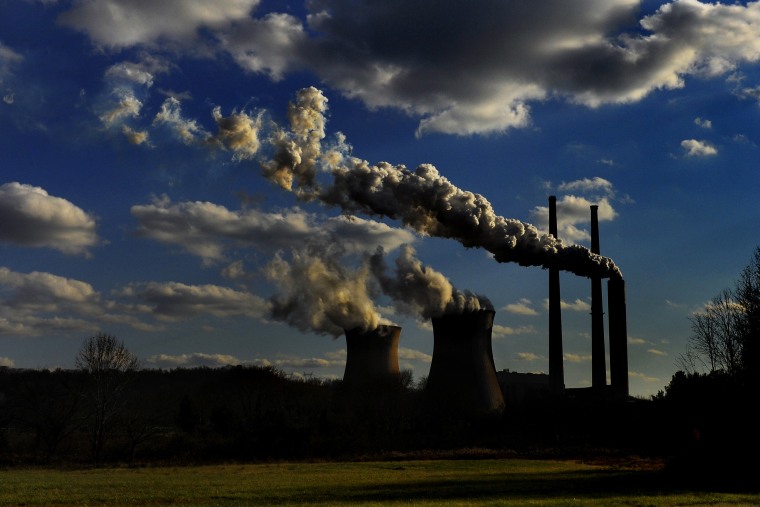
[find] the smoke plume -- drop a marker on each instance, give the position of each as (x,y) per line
(422,199)
(421,291)
(318,292)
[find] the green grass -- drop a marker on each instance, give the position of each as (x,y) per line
(508,482)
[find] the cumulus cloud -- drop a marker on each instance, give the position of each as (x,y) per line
(697,148)
(573,211)
(38,302)
(269,45)
(123,23)
(703,122)
(207,230)
(175,301)
(475,81)
(413,355)
(577,358)
(500,331)
(7,361)
(522,307)
(528,356)
(576,306)
(29,216)
(495,59)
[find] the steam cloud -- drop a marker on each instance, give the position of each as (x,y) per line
(422,199)
(421,291)
(319,293)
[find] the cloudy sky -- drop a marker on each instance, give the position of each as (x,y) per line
(236,181)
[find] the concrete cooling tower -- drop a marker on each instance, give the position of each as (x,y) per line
(372,356)
(462,373)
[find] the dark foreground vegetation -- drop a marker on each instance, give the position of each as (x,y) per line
(701,427)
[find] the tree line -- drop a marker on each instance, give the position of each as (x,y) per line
(108,409)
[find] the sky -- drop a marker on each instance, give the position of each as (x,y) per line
(222,182)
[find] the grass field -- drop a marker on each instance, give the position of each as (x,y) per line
(509,482)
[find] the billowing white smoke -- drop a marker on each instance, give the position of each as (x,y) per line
(297,151)
(421,291)
(421,199)
(319,293)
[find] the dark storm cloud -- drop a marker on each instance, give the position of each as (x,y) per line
(461,67)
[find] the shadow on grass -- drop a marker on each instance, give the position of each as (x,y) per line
(529,487)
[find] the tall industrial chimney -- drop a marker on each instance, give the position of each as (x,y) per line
(618,336)
(462,373)
(598,363)
(556,366)
(372,356)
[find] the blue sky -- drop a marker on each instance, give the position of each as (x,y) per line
(175,173)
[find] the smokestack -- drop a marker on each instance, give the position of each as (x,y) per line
(598,363)
(618,336)
(556,367)
(372,356)
(462,374)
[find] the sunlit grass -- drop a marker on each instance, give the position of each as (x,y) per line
(420,483)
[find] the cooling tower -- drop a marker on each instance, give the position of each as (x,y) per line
(556,367)
(618,336)
(462,374)
(598,363)
(372,356)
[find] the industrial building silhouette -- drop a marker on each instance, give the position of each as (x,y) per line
(462,371)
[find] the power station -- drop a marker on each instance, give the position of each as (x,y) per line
(462,373)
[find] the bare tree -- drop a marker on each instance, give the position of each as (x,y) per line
(717,333)
(107,363)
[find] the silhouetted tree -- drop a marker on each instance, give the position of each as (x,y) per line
(46,403)
(726,334)
(717,336)
(107,364)
(747,295)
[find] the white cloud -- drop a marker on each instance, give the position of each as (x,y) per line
(178,301)
(503,331)
(413,355)
(575,211)
(29,216)
(7,362)
(35,303)
(577,358)
(576,306)
(657,352)
(269,44)
(207,230)
(697,148)
(122,23)
(587,185)
(704,123)
(528,356)
(523,307)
